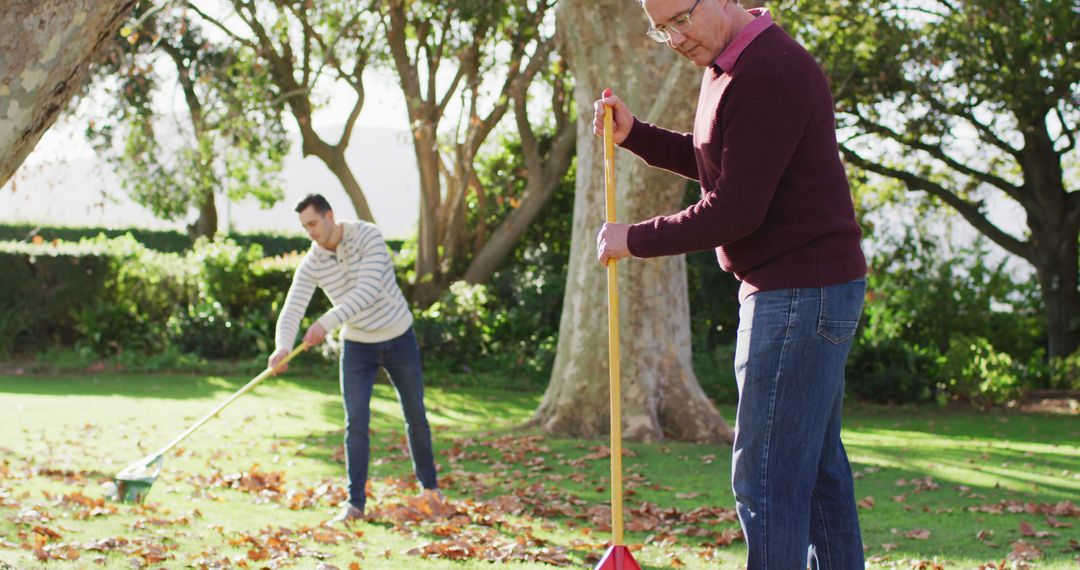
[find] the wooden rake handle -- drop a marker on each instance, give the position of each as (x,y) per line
(247,387)
(613,337)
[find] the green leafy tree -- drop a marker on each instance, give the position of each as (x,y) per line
(493,57)
(304,47)
(230,139)
(970,103)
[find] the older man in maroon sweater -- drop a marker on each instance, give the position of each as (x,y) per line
(776,206)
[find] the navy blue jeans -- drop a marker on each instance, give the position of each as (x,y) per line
(360,362)
(792,481)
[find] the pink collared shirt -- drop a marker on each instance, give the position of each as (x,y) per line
(730,55)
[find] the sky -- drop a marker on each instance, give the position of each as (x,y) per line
(65,182)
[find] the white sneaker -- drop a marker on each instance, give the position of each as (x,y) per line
(348,515)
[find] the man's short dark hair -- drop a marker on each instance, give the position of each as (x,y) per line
(316,201)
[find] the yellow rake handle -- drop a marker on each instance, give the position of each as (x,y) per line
(247,387)
(613,340)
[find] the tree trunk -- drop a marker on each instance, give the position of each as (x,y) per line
(1054,224)
(427,287)
(1058,269)
(207,223)
(661,397)
(45,52)
(1057,280)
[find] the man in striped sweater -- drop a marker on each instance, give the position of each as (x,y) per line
(349,261)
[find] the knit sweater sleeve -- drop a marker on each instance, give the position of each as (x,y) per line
(296,303)
(661,148)
(762,126)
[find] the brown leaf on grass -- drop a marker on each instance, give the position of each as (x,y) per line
(85,507)
(926,565)
(47,534)
(31,515)
(1024,552)
(326,493)
(888,546)
(328,536)
(729,536)
(415,510)
(1062,509)
(105,544)
(867,503)
(1054,523)
(1027,530)
(450,549)
(918,534)
(685,496)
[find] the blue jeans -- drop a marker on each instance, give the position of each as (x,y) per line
(359,364)
(792,481)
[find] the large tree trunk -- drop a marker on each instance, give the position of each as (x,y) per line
(1058,282)
(661,395)
(45,51)
(1054,221)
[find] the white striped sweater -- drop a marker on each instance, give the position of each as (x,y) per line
(360,282)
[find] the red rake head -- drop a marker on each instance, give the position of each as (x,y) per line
(618,558)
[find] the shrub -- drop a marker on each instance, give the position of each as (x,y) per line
(975,371)
(926,308)
(892,370)
(1064,373)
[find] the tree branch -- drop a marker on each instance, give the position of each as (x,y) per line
(346,134)
(937,152)
(968,210)
(214,22)
(985,133)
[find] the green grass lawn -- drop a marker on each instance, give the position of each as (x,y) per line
(252,487)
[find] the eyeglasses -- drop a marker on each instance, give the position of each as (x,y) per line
(681,25)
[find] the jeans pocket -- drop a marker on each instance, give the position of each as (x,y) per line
(837,332)
(841,307)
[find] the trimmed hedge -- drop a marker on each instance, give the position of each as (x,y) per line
(169,241)
(218,300)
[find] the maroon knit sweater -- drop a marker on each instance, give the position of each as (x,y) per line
(775,201)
